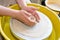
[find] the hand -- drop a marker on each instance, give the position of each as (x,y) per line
(24,17)
(32,10)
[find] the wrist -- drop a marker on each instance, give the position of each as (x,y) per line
(24,6)
(13,13)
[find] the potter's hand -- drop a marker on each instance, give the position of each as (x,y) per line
(32,10)
(24,17)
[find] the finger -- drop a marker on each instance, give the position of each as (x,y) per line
(27,14)
(33,8)
(30,17)
(29,21)
(36,16)
(30,10)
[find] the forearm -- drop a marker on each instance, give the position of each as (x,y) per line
(6,11)
(21,3)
